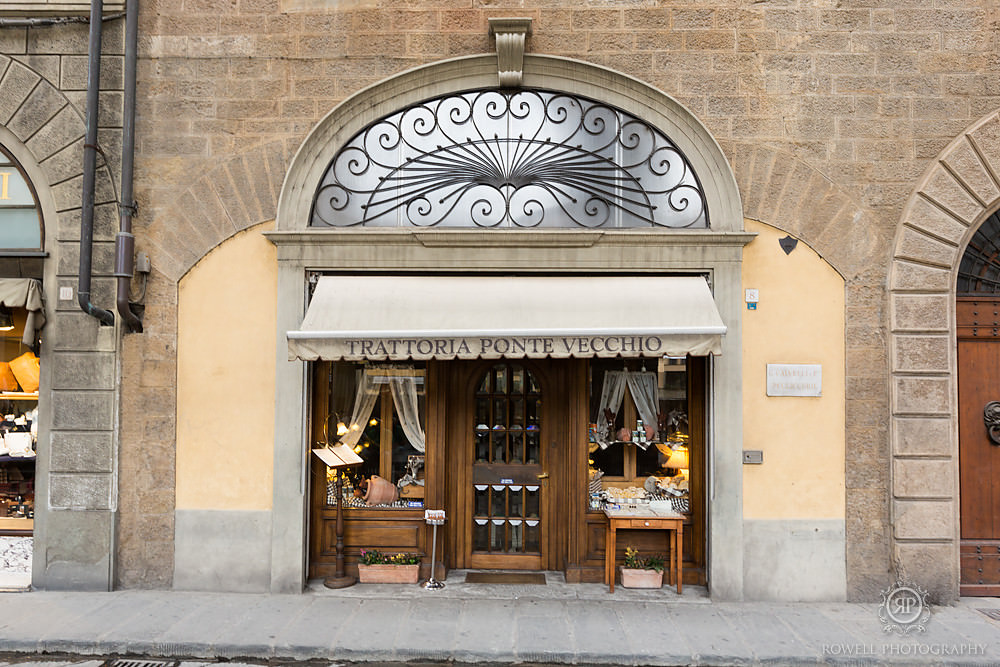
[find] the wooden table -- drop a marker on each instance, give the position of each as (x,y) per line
(644,520)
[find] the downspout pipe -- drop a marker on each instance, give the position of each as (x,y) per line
(89,169)
(125,241)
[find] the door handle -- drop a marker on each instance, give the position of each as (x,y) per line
(543,475)
(991,417)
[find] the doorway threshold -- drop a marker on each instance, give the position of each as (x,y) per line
(555,588)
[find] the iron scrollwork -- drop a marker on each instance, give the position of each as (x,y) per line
(510,159)
(991,416)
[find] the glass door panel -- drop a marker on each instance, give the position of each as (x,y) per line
(506,523)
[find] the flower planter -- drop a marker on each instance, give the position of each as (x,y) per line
(641,578)
(389,574)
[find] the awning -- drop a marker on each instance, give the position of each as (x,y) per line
(488,317)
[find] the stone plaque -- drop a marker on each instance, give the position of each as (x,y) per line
(794,380)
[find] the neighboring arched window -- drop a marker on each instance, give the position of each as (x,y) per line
(510,159)
(979,272)
(20,220)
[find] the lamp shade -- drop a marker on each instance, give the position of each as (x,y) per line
(678,459)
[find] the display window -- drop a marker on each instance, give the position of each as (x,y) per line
(19,375)
(378,411)
(639,439)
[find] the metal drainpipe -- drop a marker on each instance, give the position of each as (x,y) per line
(125,241)
(89,168)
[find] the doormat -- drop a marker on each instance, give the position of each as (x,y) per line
(517,578)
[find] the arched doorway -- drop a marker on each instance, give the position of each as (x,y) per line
(312,252)
(977,315)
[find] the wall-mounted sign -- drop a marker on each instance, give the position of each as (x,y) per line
(794,380)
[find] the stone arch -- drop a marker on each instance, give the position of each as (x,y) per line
(541,72)
(959,189)
(785,192)
(236,194)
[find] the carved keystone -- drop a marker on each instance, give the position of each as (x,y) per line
(510,34)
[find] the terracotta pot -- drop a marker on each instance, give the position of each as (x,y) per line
(641,578)
(389,574)
(380,491)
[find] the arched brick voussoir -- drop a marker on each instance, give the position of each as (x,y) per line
(238,193)
(786,192)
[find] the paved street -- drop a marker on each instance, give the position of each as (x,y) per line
(470,623)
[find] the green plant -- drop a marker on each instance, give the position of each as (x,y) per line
(634,561)
(376,557)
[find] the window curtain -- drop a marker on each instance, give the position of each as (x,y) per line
(364,403)
(642,386)
(404,397)
(612,394)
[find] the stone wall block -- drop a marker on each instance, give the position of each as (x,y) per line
(752,191)
(923,520)
(81,451)
(165,264)
(65,128)
(912,276)
(931,565)
(231,182)
(927,217)
(83,370)
(46,67)
(922,395)
(923,478)
(920,312)
(922,436)
(187,223)
(40,106)
(921,248)
(209,208)
(65,164)
(922,353)
(82,410)
(774,188)
(965,162)
(103,257)
(986,139)
(277,156)
(17,83)
(85,491)
(72,330)
(943,189)
(258,182)
(820,205)
(789,211)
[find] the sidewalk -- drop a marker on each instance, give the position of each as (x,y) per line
(470,623)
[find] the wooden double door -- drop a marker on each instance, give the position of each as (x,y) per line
(510,451)
(978,322)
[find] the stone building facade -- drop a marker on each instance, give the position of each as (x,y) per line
(867,130)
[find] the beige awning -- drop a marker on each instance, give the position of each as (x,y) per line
(488,317)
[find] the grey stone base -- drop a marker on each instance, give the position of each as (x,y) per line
(216,550)
(794,560)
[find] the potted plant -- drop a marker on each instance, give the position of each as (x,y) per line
(375,567)
(639,572)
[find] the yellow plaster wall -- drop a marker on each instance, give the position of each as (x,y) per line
(799,320)
(225,376)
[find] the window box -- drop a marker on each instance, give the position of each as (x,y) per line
(390,574)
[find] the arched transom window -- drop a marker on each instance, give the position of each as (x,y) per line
(20,223)
(510,159)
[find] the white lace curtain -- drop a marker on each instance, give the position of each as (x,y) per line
(404,398)
(642,385)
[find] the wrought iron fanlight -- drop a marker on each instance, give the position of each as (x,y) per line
(510,158)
